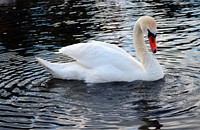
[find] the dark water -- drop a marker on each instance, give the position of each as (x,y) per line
(31,99)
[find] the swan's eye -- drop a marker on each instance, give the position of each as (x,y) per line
(150,33)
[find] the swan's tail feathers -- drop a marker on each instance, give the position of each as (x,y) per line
(58,52)
(70,70)
(47,65)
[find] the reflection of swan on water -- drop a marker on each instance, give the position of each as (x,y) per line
(116,103)
(98,62)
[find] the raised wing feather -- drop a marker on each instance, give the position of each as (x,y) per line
(94,54)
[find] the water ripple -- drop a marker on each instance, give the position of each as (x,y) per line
(31,99)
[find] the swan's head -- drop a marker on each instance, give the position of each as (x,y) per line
(149,28)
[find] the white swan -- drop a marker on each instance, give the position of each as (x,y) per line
(99,62)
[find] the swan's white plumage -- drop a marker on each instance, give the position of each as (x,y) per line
(99,62)
(95,62)
(95,54)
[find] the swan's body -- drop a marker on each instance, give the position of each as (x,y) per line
(99,62)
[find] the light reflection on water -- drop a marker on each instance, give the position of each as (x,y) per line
(31,99)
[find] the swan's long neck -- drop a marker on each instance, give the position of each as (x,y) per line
(151,66)
(140,46)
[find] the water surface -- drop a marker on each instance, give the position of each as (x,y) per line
(31,99)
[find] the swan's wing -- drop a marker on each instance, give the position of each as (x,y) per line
(94,54)
(112,46)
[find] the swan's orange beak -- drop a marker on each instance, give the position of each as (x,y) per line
(152,41)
